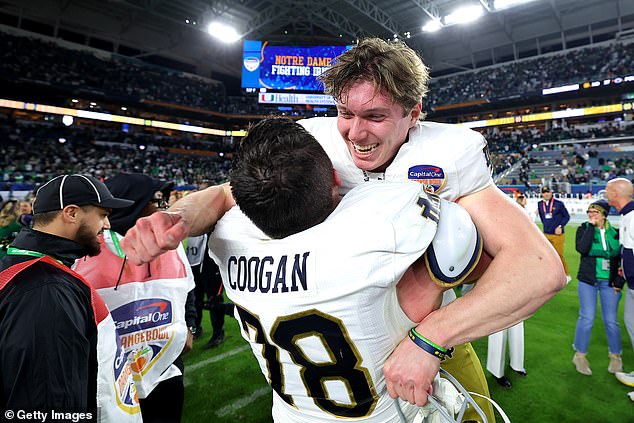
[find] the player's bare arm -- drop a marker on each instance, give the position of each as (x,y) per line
(524,274)
(455,256)
(192,215)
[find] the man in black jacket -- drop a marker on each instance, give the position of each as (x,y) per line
(51,327)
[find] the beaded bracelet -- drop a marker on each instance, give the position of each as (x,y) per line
(429,346)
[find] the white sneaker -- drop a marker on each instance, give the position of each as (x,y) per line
(631,395)
(568,279)
(626,379)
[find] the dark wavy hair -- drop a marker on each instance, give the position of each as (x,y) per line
(282,178)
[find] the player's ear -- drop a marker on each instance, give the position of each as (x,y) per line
(336,183)
(336,180)
(415,113)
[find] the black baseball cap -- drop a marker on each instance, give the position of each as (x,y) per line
(545,189)
(80,190)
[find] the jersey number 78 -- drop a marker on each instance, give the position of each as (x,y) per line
(344,365)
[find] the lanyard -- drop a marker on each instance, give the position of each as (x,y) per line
(550,209)
(603,241)
(13,251)
(115,243)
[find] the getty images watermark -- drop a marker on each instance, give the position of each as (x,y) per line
(47,416)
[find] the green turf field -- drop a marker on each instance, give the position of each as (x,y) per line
(225,384)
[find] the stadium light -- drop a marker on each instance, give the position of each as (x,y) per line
(223,32)
(432,26)
(67,120)
(464,15)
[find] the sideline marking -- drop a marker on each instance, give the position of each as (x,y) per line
(244,401)
(212,360)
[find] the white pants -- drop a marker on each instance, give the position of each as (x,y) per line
(628,312)
(496,354)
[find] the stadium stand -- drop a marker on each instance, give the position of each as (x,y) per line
(529,76)
(119,77)
(34,152)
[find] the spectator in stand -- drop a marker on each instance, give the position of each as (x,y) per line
(26,213)
(554,217)
(9,225)
(598,243)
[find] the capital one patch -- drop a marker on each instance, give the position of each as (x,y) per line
(432,177)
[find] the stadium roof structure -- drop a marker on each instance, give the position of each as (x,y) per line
(176,29)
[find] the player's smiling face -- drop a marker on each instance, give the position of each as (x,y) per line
(373,126)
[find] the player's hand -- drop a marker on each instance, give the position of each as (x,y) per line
(409,373)
(153,235)
(558,230)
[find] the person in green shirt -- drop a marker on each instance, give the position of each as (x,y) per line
(598,243)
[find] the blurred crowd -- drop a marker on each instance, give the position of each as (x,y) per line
(116,76)
(530,76)
(510,146)
(32,152)
(35,151)
(24,58)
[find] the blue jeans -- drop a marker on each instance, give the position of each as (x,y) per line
(587,311)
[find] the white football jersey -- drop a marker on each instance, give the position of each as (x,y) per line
(195,249)
(319,308)
(449,160)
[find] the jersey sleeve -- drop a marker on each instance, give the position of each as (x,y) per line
(413,215)
(474,164)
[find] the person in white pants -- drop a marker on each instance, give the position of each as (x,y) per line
(496,350)
(496,353)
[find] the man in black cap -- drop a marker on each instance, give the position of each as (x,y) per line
(554,217)
(58,344)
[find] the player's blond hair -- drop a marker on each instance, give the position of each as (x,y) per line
(392,67)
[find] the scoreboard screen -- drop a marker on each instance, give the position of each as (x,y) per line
(285,67)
